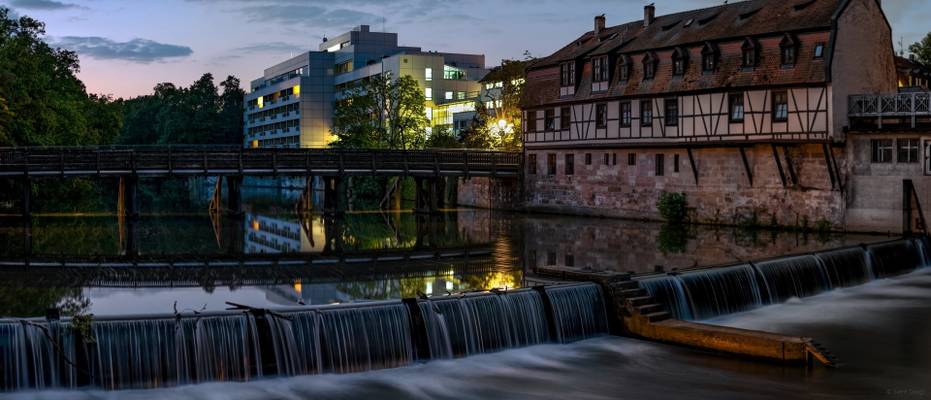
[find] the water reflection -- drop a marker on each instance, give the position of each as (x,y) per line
(646,247)
(273,257)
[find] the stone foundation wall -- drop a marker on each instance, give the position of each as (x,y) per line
(490,193)
(612,186)
(874,200)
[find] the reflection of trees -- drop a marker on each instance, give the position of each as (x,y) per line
(33,302)
(673,238)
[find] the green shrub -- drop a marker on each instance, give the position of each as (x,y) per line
(672,207)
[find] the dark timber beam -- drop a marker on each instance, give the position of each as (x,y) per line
(789,166)
(27,197)
(234,195)
(827,160)
(692,164)
(782,174)
(743,156)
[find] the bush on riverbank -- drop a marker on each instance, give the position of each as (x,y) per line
(673,207)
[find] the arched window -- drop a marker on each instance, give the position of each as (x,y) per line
(750,53)
(788,49)
(649,66)
(623,68)
(709,57)
(680,61)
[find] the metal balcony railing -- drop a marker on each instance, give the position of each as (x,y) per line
(900,105)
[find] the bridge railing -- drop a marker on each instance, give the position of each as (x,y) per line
(204,160)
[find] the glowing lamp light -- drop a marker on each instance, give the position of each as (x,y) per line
(502,123)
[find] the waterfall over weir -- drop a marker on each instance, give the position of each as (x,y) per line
(707,293)
(166,351)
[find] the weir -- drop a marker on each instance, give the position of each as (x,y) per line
(710,292)
(169,350)
(663,307)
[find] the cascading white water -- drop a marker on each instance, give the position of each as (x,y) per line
(708,293)
(169,351)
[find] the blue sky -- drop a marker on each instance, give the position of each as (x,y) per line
(127,46)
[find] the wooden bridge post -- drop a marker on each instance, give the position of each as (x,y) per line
(441,192)
(128,204)
(27,197)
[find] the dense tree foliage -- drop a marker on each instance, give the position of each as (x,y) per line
(42,102)
(198,114)
(922,50)
(382,113)
(499,127)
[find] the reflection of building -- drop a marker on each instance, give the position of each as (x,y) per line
(292,104)
(274,235)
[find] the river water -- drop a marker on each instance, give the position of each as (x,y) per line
(162,262)
(879,331)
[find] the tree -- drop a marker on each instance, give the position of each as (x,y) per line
(922,50)
(500,126)
(42,102)
(381,113)
(198,114)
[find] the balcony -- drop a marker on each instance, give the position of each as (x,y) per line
(903,110)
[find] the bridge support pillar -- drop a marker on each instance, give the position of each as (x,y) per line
(27,198)
(333,190)
(234,195)
(426,195)
(127,202)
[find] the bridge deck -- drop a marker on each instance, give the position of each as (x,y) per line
(227,160)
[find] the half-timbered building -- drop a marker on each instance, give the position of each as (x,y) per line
(742,106)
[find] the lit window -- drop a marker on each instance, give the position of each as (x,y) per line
(448,96)
(489,86)
(780,106)
(428,74)
(429,113)
(736,101)
(460,95)
(428,93)
(499,84)
(498,103)
(489,105)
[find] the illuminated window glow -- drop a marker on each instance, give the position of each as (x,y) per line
(428,74)
(448,96)
(428,93)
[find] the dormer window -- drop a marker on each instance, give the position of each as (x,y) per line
(649,66)
(709,57)
(567,74)
(680,59)
(788,49)
(750,53)
(624,68)
(600,69)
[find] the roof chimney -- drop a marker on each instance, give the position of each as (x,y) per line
(649,14)
(599,24)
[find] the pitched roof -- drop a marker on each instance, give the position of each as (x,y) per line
(734,20)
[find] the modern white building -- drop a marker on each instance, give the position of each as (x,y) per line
(292,104)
